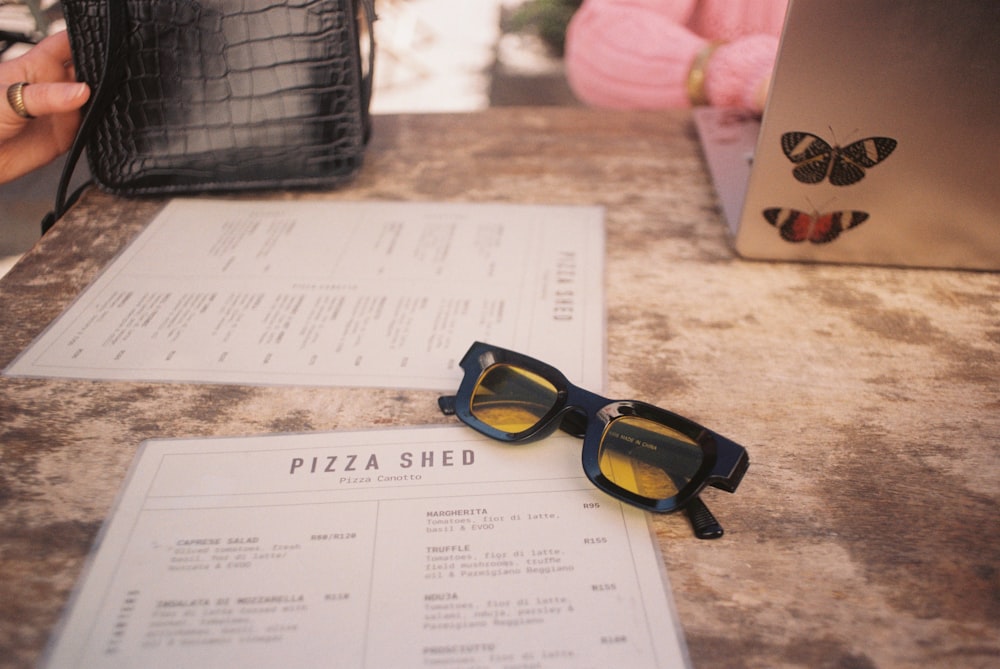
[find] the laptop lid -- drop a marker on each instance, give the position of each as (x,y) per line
(878,143)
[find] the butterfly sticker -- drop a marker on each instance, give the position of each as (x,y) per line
(798,226)
(816,160)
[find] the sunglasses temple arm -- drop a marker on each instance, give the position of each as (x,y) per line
(447,404)
(731,466)
(703,523)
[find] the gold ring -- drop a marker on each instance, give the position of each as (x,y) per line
(15,96)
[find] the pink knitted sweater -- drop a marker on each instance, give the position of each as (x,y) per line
(637,54)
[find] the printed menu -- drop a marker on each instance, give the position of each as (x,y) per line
(382,294)
(418,547)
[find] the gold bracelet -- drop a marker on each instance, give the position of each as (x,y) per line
(696,75)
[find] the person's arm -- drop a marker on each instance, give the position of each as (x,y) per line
(639,54)
(630,54)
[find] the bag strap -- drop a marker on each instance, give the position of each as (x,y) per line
(366,80)
(114,59)
(110,69)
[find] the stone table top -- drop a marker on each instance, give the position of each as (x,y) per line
(866,531)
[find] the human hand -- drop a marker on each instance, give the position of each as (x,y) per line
(52,97)
(760,94)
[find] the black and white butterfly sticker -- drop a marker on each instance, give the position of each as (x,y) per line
(815,159)
(799,226)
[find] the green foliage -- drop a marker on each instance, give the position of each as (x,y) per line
(547,18)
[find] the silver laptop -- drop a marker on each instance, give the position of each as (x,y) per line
(880,143)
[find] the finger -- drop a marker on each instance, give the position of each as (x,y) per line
(49,60)
(55,47)
(44,99)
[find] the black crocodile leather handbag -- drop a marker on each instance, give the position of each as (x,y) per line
(194,96)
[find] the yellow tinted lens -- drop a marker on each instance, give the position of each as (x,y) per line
(647,458)
(512,399)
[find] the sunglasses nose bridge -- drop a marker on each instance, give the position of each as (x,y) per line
(574,421)
(580,409)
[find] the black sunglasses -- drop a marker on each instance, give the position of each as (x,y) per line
(638,453)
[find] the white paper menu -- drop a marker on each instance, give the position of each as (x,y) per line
(389,549)
(336,293)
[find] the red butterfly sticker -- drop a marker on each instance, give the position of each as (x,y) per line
(798,226)
(816,160)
